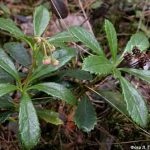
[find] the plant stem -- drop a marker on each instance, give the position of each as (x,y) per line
(27,81)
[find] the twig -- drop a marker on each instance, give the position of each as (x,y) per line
(67,28)
(86,18)
(142,16)
(93,90)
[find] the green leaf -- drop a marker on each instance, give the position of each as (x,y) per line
(41,20)
(5,77)
(112,38)
(85,115)
(96,4)
(62,37)
(6,102)
(136,106)
(7,64)
(28,123)
(49,116)
(97,64)
(78,74)
(63,55)
(87,38)
(115,99)
(9,26)
(139,40)
(56,90)
(142,74)
(4,116)
(18,53)
(6,88)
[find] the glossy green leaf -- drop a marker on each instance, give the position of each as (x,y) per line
(6,88)
(41,20)
(62,37)
(18,53)
(5,77)
(135,104)
(112,38)
(4,116)
(97,64)
(6,102)
(7,64)
(85,115)
(142,74)
(49,116)
(115,99)
(87,38)
(28,123)
(77,74)
(56,90)
(139,40)
(63,55)
(9,26)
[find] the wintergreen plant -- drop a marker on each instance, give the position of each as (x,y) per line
(129,100)
(22,74)
(42,59)
(133,103)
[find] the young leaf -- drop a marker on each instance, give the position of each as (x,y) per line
(138,39)
(142,74)
(28,123)
(7,64)
(112,38)
(6,88)
(9,26)
(87,38)
(49,116)
(56,90)
(41,20)
(18,53)
(136,106)
(63,55)
(97,64)
(85,115)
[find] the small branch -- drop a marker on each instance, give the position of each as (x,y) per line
(142,16)
(86,18)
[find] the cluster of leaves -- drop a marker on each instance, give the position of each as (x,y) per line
(13,79)
(99,64)
(29,83)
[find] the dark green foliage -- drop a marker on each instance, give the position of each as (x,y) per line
(47,58)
